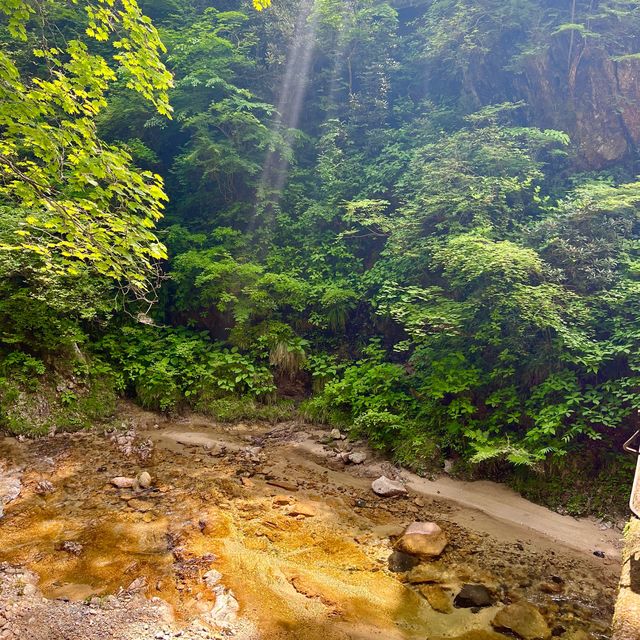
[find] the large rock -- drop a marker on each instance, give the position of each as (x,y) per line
(523,619)
(473,595)
(387,488)
(423,539)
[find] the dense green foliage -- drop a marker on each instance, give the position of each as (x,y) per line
(363,213)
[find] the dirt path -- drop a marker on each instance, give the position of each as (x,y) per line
(495,508)
(260,532)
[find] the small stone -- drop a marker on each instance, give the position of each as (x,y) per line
(358,457)
(550,587)
(473,595)
(247,482)
(437,597)
(69,546)
(303,509)
(29,590)
(44,487)
(523,619)
(423,539)
(144,480)
(448,466)
(283,484)
(599,554)
(212,578)
(123,483)
(335,434)
(387,488)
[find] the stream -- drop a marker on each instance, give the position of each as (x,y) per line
(264,532)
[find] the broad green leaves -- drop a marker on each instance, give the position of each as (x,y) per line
(89,205)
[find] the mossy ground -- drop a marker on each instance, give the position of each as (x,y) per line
(48,405)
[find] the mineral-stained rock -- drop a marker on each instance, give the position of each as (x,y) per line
(423,539)
(523,619)
(437,597)
(69,546)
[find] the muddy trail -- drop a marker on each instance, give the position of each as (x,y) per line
(266,532)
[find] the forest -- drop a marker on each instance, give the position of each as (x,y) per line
(319,319)
(415,220)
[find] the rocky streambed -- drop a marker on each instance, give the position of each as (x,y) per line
(189,529)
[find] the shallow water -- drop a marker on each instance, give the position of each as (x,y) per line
(306,564)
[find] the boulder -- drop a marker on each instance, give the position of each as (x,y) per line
(473,595)
(387,488)
(423,539)
(523,619)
